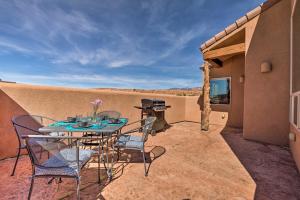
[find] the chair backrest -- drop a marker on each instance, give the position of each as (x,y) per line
(147,127)
(45,152)
(42,120)
(109,114)
(29,125)
(41,149)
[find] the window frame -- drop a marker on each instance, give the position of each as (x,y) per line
(230,91)
(292,109)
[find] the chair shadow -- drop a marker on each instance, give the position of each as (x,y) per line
(90,185)
(133,156)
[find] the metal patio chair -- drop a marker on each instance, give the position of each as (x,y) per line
(127,141)
(52,158)
(25,124)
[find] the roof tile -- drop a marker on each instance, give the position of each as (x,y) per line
(231,28)
(253,13)
(266,5)
(241,21)
(210,41)
(220,35)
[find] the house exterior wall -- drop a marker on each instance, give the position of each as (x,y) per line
(233,68)
(296,49)
(266,98)
(295,145)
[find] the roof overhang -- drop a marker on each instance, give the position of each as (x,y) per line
(229,46)
(237,25)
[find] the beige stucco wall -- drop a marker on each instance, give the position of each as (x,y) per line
(266,98)
(59,103)
(233,68)
(193,112)
(192,109)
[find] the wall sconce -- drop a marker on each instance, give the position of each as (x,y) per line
(242,78)
(265,67)
(292,137)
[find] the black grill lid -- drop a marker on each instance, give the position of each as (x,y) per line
(152,101)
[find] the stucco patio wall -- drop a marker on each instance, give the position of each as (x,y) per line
(59,103)
(193,112)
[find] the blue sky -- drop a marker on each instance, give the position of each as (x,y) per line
(110,43)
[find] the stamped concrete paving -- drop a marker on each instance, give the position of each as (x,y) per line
(186,164)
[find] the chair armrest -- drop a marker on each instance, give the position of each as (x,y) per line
(131,131)
(132,123)
(54,120)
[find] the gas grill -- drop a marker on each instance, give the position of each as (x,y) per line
(154,108)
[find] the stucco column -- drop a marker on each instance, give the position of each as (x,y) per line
(206,100)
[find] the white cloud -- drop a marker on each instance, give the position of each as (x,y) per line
(120,63)
(13,46)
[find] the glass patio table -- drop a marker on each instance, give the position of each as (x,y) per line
(101,128)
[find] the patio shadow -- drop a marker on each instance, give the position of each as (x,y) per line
(271,167)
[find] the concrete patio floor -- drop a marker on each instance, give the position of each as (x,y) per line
(185,165)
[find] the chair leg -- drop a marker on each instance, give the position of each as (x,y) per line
(78,188)
(118,154)
(99,159)
(51,180)
(31,187)
(19,151)
(144,158)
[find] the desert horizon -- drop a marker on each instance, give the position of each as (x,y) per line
(194,91)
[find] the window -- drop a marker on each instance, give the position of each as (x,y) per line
(220,91)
